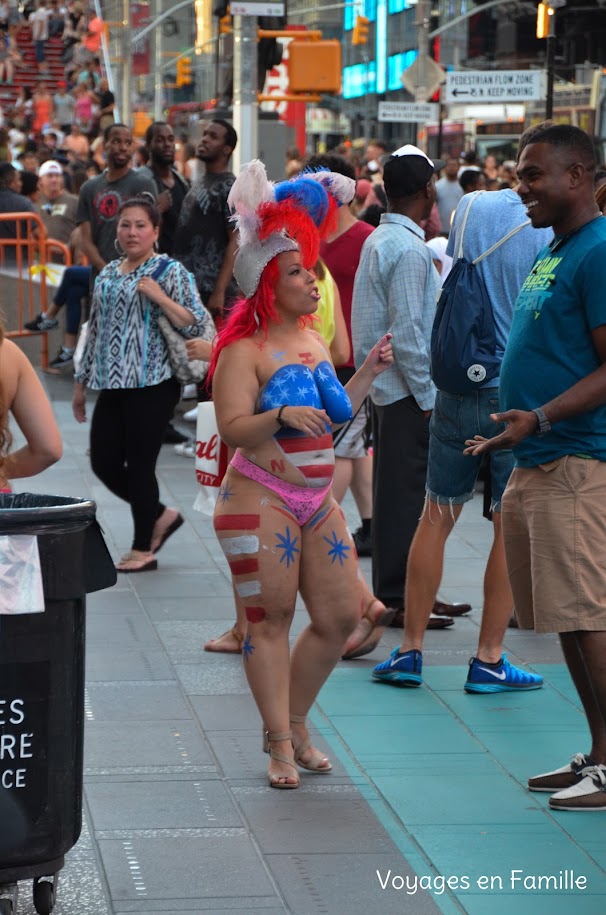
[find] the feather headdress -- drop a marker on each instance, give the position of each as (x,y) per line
(290,216)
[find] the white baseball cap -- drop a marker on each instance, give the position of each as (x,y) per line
(407,170)
(50,167)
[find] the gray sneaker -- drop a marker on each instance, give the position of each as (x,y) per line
(63,360)
(186,449)
(41,322)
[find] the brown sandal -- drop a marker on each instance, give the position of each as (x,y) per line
(237,636)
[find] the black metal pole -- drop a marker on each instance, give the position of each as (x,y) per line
(216,62)
(550,70)
(440,128)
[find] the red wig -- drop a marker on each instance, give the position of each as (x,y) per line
(297,223)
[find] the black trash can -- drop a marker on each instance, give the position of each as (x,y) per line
(42,694)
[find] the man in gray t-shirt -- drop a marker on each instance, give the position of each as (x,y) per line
(448,193)
(101,198)
(65,105)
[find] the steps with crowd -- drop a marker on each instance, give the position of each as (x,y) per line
(29,74)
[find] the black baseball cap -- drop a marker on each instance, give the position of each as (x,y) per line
(408,170)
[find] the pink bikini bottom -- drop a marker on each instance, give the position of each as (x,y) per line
(302,501)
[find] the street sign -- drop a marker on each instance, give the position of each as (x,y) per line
(494,85)
(423,74)
(256,8)
(404,113)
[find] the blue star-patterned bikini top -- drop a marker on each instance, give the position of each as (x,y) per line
(297,386)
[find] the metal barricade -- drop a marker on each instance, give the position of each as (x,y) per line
(28,256)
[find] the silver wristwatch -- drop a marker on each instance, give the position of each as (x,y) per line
(544,424)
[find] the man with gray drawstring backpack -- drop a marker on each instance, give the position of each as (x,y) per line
(481,220)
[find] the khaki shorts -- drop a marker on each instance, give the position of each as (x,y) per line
(351,440)
(554,529)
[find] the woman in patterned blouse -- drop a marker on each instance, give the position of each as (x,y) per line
(126,359)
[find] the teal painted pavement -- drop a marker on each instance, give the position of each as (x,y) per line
(446,774)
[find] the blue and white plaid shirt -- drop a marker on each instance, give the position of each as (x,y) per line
(396,290)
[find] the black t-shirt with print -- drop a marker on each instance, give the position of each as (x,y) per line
(203,232)
(170,217)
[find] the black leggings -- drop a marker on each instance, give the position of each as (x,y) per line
(126,434)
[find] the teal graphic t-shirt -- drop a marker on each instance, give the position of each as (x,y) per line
(550,347)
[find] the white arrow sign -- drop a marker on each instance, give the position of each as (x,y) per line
(495,86)
(405,113)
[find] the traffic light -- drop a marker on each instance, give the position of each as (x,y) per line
(543,13)
(314,66)
(269,50)
(360,30)
(225,25)
(184,72)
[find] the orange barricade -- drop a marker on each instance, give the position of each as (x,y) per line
(55,247)
(26,256)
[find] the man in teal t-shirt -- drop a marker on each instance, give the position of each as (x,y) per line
(551,345)
(553,391)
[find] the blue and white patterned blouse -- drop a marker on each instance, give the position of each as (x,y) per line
(125,347)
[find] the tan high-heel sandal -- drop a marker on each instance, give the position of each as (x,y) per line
(373,637)
(306,745)
(274,780)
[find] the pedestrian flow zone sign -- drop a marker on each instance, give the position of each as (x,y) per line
(407,113)
(495,85)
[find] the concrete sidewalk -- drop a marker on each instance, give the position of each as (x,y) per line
(427,784)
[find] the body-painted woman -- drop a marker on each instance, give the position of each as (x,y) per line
(277,398)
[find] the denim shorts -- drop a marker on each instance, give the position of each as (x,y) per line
(452,475)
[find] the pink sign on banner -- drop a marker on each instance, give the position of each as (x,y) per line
(141,54)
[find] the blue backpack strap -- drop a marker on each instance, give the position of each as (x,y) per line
(501,241)
(473,196)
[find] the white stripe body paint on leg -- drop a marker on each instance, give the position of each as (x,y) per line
(248,588)
(236,546)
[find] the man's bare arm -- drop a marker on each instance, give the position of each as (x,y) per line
(89,248)
(582,397)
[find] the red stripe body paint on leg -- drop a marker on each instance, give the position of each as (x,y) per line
(243,566)
(255,614)
(237,522)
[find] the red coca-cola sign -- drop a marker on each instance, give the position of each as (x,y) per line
(207,451)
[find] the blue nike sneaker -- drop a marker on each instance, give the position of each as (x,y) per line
(503,677)
(401,669)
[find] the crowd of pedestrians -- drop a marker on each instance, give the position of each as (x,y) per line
(156,243)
